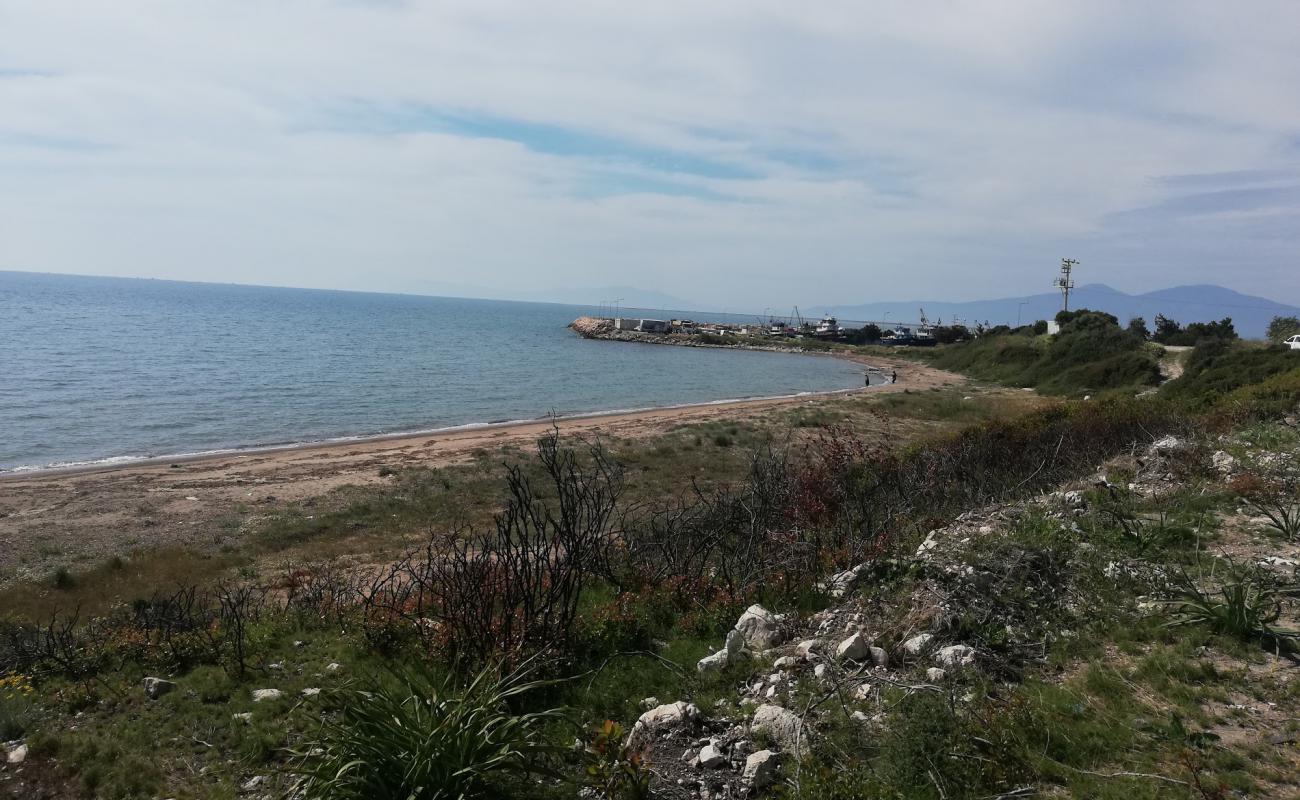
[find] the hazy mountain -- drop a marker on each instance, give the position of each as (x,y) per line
(1183,303)
(627,297)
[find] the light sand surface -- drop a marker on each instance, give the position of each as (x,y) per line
(88,514)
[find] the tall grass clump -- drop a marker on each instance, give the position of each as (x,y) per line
(418,736)
(1246,606)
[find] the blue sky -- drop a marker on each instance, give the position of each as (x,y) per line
(736,154)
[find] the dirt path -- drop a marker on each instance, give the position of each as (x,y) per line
(81,517)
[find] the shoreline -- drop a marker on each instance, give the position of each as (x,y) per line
(398,438)
(77,517)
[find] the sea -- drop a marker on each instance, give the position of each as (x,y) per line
(104,370)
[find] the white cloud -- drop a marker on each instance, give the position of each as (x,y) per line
(944,149)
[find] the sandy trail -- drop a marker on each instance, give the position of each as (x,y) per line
(82,516)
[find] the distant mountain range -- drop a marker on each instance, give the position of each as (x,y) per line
(1203,303)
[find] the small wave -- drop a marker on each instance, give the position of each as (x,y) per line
(255,449)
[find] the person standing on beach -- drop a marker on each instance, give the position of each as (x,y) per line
(893,376)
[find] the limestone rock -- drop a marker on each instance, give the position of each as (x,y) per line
(957,655)
(759,627)
(761,768)
(712,663)
(157,687)
(711,757)
(917,644)
(266,694)
(842,583)
(659,719)
(935,674)
(854,648)
(16,754)
(1224,463)
(782,725)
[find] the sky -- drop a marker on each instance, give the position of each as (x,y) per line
(735,154)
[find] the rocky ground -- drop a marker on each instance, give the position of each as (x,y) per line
(798,677)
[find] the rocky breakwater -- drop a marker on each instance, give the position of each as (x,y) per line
(592,327)
(603,328)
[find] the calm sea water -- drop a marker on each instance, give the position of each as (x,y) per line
(96,369)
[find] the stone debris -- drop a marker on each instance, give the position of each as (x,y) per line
(16,754)
(935,674)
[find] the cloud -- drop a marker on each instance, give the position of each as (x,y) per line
(732,152)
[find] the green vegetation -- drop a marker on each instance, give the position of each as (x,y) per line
(1216,368)
(422,737)
(1169,332)
(1092,353)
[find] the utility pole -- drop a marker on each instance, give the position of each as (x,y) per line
(1065,282)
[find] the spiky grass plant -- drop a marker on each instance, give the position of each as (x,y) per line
(417,736)
(1247,606)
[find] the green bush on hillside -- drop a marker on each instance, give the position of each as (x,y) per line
(1091,353)
(1217,367)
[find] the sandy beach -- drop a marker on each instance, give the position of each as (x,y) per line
(88,513)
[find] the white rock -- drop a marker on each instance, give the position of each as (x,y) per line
(934,674)
(712,663)
(246,716)
(917,644)
(860,717)
(786,662)
(855,648)
(310,692)
(157,687)
(17,754)
(1167,444)
(253,783)
(808,648)
(759,627)
(1223,462)
(782,725)
(668,715)
(711,757)
(956,655)
(761,768)
(1074,499)
(333,667)
(649,703)
(266,694)
(841,583)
